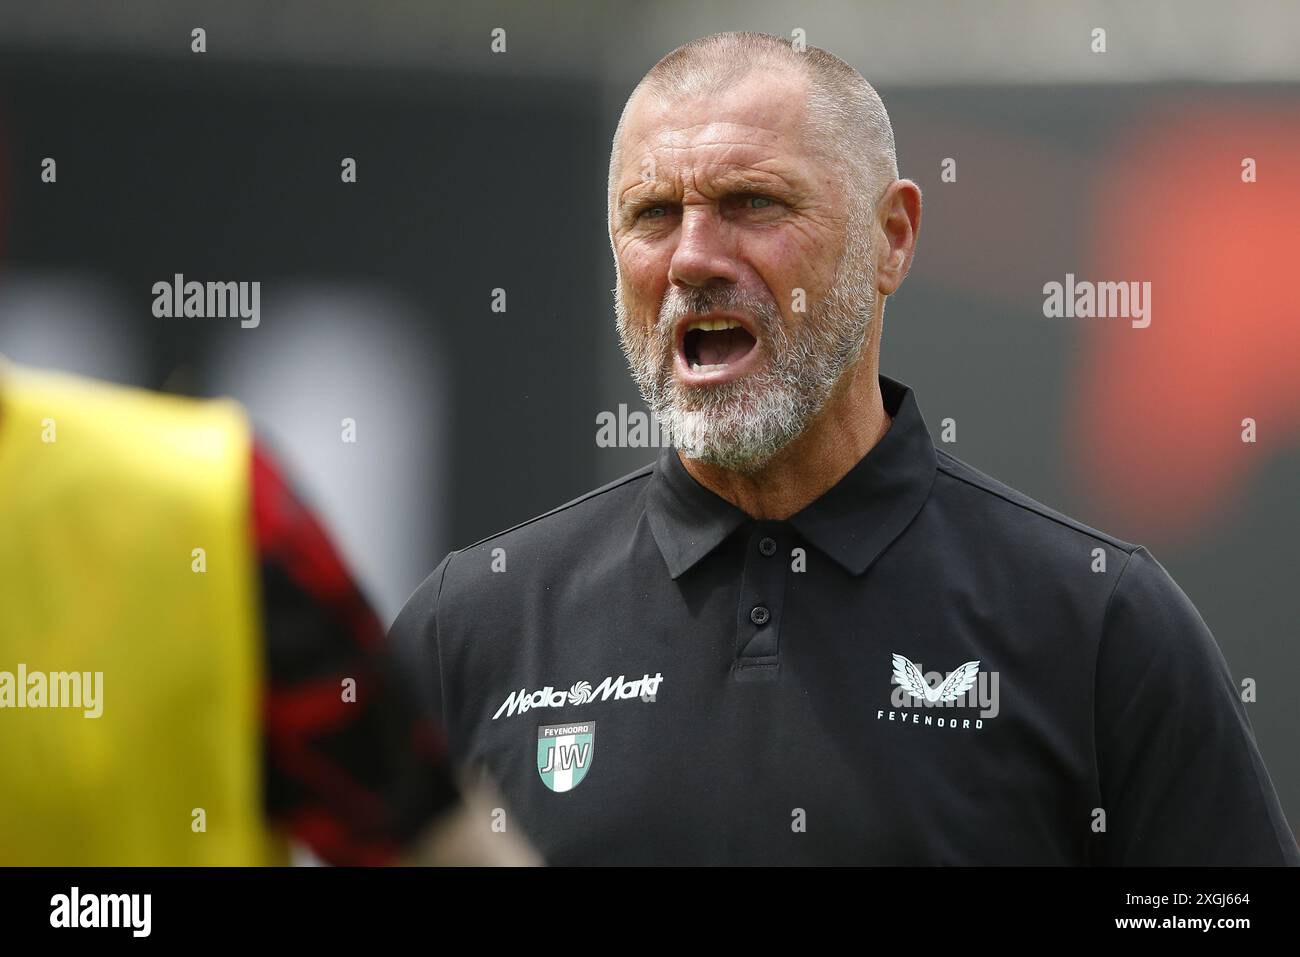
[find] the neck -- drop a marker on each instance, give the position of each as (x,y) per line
(846,429)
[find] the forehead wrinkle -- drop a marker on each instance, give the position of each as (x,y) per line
(722,172)
(676,142)
(678,136)
(648,134)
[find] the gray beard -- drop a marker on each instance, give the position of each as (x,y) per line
(741,424)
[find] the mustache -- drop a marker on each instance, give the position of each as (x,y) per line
(698,300)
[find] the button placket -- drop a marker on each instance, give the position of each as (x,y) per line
(761,601)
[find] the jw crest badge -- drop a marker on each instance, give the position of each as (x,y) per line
(564,753)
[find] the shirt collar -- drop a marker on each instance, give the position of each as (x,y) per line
(853,522)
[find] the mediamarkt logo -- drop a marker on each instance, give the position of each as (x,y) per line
(581,693)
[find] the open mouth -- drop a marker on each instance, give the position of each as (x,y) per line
(714,346)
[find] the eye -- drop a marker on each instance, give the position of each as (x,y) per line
(753,203)
(652,212)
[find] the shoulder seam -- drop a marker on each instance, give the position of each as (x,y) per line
(437,643)
(1110,599)
(437,599)
(1074,525)
(1096,666)
(642,472)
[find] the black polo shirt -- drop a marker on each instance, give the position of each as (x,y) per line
(923,666)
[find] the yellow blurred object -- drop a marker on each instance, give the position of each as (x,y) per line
(106,494)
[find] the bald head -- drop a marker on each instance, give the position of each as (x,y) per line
(844,120)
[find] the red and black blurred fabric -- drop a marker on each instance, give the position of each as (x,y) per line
(353,780)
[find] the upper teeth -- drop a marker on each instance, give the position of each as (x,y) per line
(712,325)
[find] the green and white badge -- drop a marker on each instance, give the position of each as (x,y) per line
(564,753)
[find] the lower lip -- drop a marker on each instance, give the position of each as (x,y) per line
(730,371)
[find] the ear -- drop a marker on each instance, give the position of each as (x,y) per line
(898,222)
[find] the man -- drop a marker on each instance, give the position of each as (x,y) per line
(188,672)
(805,635)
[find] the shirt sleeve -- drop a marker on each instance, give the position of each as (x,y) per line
(1181,777)
(355,763)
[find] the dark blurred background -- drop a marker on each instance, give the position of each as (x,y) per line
(479,170)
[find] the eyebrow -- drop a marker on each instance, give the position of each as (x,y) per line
(641,195)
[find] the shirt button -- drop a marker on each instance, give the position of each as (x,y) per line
(767,546)
(759,615)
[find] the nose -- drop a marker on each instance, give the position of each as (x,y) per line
(702,257)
